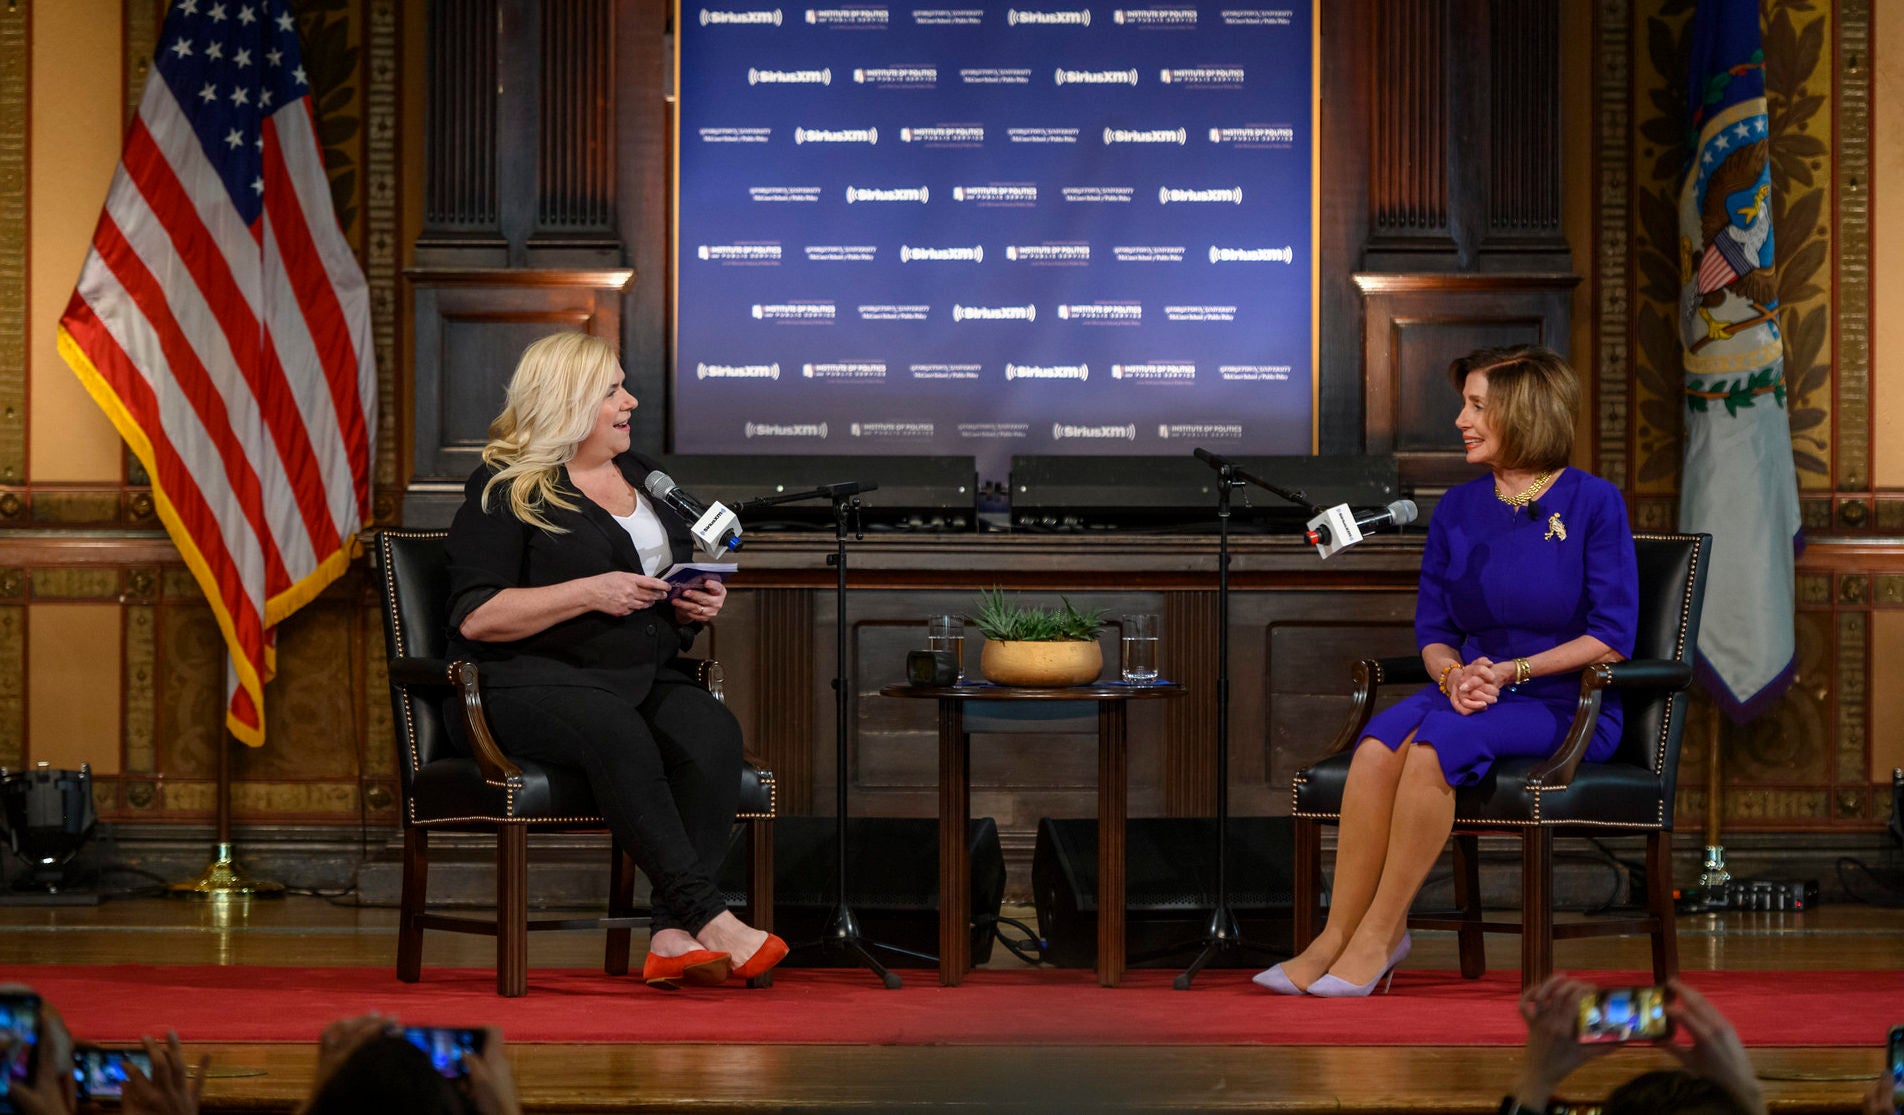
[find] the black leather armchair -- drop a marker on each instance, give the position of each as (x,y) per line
(1559,795)
(483,790)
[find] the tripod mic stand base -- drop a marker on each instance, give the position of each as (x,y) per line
(842,934)
(1225,935)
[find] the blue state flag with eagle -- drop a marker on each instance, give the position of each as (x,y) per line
(1739,482)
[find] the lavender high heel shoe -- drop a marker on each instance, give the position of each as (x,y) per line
(1332,986)
(1276,980)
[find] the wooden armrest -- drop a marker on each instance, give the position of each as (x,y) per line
(496,766)
(708,673)
(1370,674)
(1639,673)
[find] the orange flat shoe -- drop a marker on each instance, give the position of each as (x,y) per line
(700,967)
(771,951)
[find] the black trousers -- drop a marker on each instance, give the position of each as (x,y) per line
(665,772)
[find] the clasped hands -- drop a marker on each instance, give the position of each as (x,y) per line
(620,594)
(1473,686)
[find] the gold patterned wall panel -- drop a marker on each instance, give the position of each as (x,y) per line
(13,242)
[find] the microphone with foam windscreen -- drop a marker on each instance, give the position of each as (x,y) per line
(715,529)
(1341,526)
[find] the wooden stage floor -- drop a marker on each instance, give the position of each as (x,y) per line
(766,1078)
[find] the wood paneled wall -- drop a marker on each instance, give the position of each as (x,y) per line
(1443,159)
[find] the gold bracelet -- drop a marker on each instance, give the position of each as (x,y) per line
(1441,682)
(1523,670)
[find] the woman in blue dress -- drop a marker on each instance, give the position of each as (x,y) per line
(1528,576)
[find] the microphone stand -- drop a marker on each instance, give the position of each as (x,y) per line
(842,932)
(1224,934)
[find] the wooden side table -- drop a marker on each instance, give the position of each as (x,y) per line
(982,706)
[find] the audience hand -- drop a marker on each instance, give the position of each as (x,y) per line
(52,1090)
(340,1039)
(492,1084)
(1878,1100)
(1715,1052)
(171,1090)
(1553,1048)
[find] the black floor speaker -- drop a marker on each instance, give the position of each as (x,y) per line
(892,886)
(1171,890)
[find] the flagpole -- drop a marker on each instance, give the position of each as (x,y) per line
(222,877)
(1715,875)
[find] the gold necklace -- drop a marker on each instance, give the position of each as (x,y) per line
(1527,494)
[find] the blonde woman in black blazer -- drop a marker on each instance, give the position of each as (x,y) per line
(553,557)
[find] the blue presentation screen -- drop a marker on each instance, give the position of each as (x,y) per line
(994,230)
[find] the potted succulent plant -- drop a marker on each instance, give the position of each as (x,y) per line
(1037,646)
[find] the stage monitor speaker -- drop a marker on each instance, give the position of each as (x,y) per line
(893,885)
(914,493)
(1171,866)
(1081,493)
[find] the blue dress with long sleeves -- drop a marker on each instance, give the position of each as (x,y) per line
(1503,583)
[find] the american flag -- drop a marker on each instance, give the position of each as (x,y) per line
(223,325)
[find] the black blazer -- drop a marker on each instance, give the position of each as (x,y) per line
(493,550)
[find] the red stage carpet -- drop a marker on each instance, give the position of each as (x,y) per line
(207,1003)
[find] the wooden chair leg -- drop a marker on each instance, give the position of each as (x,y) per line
(760,884)
(416,882)
(1306,883)
(621,904)
(1659,901)
(1467,895)
(512,911)
(1537,905)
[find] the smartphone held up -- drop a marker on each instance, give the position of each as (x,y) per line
(1622,1014)
(449,1047)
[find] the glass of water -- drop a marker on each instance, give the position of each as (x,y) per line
(1139,658)
(948,633)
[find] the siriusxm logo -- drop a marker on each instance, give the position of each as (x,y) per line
(910,254)
(910,76)
(1048,253)
(964,134)
(719,19)
(789,77)
(739,253)
(1079,372)
(856,16)
(786,429)
(1252,255)
(1100,313)
(848,369)
(1253,136)
(737,371)
(836,135)
(1154,371)
(1078,18)
(1168,194)
(1155,17)
(1178,136)
(996,195)
(994,313)
(1202,75)
(1094,77)
(1200,430)
(820,312)
(1061,430)
(920,194)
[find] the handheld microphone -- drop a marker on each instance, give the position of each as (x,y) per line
(714,527)
(1340,527)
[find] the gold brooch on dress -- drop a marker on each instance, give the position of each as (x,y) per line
(1556,528)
